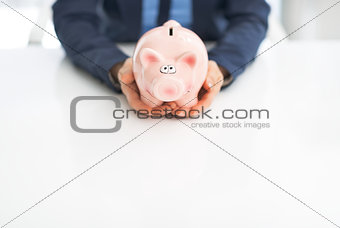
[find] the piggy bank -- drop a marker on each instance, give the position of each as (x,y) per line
(170,63)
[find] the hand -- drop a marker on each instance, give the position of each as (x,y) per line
(211,87)
(131,91)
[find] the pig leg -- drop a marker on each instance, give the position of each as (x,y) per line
(149,100)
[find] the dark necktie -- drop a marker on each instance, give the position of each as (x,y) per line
(164,8)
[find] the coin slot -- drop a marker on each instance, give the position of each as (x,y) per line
(171,31)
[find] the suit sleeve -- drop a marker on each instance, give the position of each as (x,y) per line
(246,30)
(77,27)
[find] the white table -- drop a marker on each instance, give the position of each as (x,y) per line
(170,176)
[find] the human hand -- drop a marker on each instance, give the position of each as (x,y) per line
(211,87)
(131,91)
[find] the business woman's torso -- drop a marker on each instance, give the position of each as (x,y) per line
(127,20)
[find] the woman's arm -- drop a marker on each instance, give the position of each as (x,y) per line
(77,27)
(244,34)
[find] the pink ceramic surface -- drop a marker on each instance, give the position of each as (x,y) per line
(170,63)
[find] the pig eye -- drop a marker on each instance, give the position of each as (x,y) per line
(165,69)
(172,69)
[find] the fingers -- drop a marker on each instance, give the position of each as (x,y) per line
(134,100)
(172,104)
(137,104)
(207,98)
(165,109)
(212,86)
(130,91)
(181,112)
(205,102)
(133,97)
(214,76)
(129,87)
(125,73)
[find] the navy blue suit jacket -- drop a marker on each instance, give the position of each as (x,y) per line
(89,30)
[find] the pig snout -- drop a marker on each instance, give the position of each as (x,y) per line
(167,89)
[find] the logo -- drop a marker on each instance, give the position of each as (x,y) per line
(73,114)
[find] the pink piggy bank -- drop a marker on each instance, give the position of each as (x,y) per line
(170,63)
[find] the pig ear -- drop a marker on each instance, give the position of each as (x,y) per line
(189,58)
(148,56)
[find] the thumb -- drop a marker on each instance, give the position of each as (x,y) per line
(126,76)
(208,83)
(125,73)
